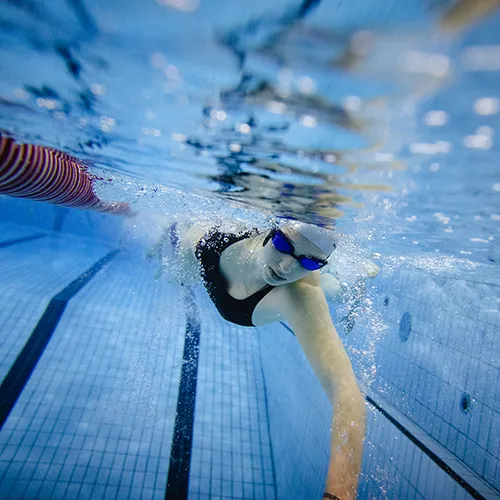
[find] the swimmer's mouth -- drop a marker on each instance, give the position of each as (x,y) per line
(275,275)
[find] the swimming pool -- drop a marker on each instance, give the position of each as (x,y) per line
(120,385)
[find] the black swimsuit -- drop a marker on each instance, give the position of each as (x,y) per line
(208,252)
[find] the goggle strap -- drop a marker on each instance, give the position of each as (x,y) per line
(267,238)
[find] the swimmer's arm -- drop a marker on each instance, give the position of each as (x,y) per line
(307,313)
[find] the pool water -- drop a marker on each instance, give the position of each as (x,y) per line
(376,118)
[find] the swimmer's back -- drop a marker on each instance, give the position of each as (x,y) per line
(190,236)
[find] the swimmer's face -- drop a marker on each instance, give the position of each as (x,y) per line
(280,268)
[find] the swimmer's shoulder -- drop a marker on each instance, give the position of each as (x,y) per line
(291,295)
(300,301)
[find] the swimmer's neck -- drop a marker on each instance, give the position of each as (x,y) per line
(241,266)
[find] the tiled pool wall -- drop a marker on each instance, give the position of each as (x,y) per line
(445,375)
(394,467)
(96,418)
(436,363)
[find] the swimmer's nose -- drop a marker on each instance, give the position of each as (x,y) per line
(286,264)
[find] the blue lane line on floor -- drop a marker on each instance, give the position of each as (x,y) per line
(20,372)
(180,454)
(8,243)
(437,460)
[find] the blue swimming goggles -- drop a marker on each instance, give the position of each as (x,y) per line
(284,245)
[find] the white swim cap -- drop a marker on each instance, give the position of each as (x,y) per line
(324,239)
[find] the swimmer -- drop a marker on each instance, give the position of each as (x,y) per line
(255,278)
